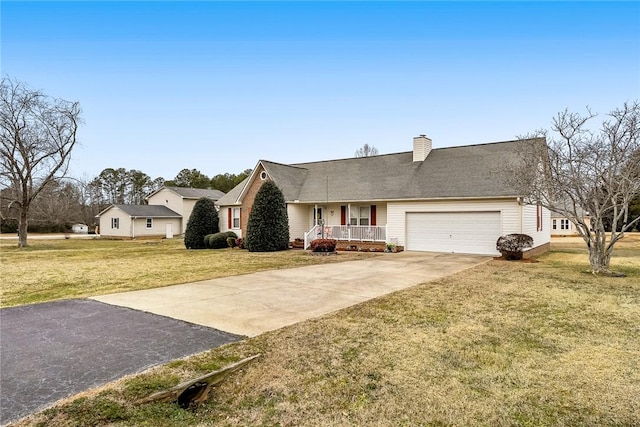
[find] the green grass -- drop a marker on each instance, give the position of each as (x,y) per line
(57,269)
(502,344)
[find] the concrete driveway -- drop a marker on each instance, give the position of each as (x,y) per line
(255,303)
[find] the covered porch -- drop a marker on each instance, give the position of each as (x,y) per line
(346,222)
(350,233)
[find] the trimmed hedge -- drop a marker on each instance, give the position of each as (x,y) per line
(218,240)
(323,245)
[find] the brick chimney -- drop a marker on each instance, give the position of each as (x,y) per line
(421,148)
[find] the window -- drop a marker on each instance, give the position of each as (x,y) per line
(149,222)
(115,222)
(565,225)
(359,215)
(263,175)
(554,225)
(236,217)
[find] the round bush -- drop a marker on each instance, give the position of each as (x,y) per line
(512,245)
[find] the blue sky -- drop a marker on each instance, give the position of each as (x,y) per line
(217,86)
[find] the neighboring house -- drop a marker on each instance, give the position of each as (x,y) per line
(182,200)
(443,200)
(166,214)
(562,226)
(131,221)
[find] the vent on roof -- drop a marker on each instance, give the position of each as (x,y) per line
(421,148)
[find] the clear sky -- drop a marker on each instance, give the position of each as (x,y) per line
(217,86)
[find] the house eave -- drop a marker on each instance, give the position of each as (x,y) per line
(248,183)
(414,199)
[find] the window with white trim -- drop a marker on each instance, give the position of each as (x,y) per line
(565,224)
(236,217)
(360,215)
(554,224)
(149,222)
(115,222)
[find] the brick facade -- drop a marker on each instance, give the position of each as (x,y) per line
(247,201)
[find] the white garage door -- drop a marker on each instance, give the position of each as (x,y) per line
(459,232)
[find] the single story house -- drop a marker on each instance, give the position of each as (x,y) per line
(562,226)
(132,221)
(166,214)
(443,200)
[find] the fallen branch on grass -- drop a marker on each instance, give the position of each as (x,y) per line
(193,392)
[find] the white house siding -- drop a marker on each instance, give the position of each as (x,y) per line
(176,203)
(530,225)
(223,219)
(397,213)
(381,213)
(170,199)
(159,227)
(298,222)
(105,223)
(572,227)
(223,216)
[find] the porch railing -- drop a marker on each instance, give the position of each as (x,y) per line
(310,236)
(363,233)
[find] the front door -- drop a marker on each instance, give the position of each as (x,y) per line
(317,216)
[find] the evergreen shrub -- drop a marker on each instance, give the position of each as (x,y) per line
(202,221)
(268,227)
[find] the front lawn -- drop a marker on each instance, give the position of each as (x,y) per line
(502,344)
(56,269)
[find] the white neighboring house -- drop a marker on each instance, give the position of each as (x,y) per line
(132,221)
(166,215)
(561,226)
(182,200)
(441,200)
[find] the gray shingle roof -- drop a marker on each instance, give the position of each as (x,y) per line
(232,196)
(455,172)
(149,211)
(197,193)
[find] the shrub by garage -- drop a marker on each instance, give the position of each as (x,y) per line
(511,246)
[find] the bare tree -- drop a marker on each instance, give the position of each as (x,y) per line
(366,150)
(37,134)
(582,171)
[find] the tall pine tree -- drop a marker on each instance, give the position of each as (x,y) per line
(268,228)
(203,221)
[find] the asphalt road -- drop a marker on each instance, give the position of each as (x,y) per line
(54,350)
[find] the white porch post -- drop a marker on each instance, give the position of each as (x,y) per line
(349,219)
